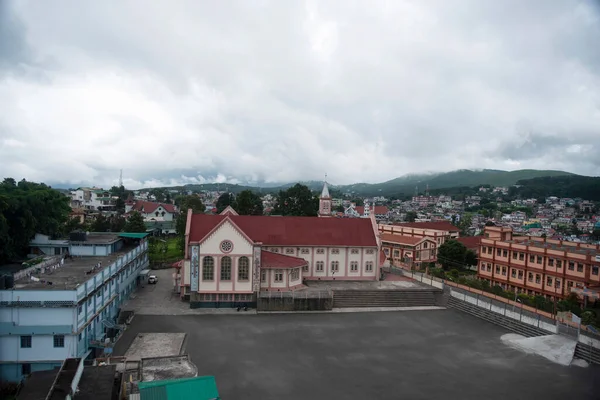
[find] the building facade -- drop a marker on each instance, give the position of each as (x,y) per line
(93,199)
(152,211)
(407,234)
(65,306)
(537,266)
(229,257)
(408,251)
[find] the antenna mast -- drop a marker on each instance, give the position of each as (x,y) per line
(121,178)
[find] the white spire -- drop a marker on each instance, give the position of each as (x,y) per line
(325,191)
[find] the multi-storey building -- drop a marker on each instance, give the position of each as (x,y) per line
(66,305)
(93,199)
(408,251)
(438,231)
(537,266)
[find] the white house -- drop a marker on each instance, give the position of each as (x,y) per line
(95,199)
(152,211)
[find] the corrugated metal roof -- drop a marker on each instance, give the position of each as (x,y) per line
(200,388)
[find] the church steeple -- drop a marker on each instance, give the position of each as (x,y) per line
(325,201)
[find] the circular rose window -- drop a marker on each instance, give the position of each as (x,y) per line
(226,246)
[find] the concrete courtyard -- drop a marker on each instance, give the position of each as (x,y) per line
(443,354)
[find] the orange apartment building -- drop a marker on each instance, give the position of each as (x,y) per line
(438,231)
(537,266)
(408,251)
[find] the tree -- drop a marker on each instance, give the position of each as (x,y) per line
(135,223)
(225,200)
(74,224)
(452,254)
(185,203)
(297,201)
(100,224)
(339,208)
(117,223)
(465,224)
(471,258)
(410,216)
(27,208)
(248,203)
(120,206)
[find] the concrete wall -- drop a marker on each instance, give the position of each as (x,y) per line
(289,303)
(507,310)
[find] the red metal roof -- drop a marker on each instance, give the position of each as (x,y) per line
(411,240)
(440,226)
(272,260)
(150,206)
(470,242)
(292,231)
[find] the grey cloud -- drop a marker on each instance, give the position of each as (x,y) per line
(284,91)
(14,49)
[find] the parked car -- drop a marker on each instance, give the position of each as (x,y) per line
(152,279)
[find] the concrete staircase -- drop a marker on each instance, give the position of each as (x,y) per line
(591,355)
(490,316)
(385,298)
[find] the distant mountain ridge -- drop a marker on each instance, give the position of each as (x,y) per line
(403,185)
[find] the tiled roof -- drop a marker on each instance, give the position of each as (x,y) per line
(378,210)
(149,207)
(440,226)
(411,240)
(470,242)
(275,260)
(292,231)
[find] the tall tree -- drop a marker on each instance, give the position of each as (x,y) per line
(248,203)
(453,254)
(224,200)
(74,224)
(100,224)
(117,223)
(297,201)
(185,203)
(410,216)
(27,208)
(135,223)
(120,205)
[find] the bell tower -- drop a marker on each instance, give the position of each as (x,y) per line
(325,201)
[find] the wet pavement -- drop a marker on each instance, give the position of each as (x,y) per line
(440,354)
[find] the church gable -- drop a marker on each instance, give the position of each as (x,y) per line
(226,238)
(229,211)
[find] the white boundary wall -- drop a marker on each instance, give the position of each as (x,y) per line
(507,311)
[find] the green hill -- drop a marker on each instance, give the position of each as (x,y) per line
(404,185)
(407,185)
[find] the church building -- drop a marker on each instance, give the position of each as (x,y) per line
(229,258)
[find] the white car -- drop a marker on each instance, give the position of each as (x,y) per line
(152,280)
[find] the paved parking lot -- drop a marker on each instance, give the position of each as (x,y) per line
(442,354)
(161,299)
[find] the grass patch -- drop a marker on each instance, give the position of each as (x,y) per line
(164,251)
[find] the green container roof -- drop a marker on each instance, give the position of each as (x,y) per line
(133,235)
(198,388)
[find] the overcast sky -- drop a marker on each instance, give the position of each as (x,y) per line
(186,91)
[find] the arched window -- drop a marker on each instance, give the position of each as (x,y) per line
(208,269)
(226,268)
(243,269)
